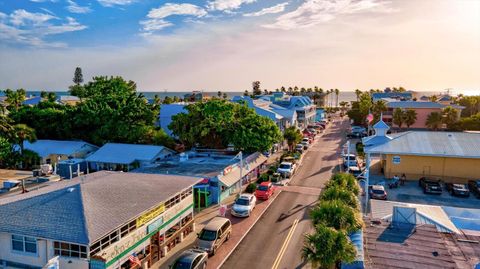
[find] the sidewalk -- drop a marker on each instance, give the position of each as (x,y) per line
(240,227)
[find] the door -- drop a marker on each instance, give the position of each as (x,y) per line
(426,170)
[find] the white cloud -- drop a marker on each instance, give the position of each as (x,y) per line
(313,12)
(268,10)
(31,29)
(111,3)
(227,5)
(73,7)
(22,17)
(156,16)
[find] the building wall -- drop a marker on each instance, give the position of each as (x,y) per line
(39,259)
(449,169)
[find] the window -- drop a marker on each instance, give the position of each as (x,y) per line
(24,244)
(70,250)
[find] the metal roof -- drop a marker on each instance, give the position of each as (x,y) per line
(84,209)
(250,163)
(167,111)
(436,144)
(61,147)
(420,104)
(126,153)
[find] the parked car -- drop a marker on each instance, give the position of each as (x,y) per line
(214,234)
(299,148)
(457,189)
(474,186)
(377,192)
(430,185)
(358,129)
(356,134)
(350,160)
(306,145)
(264,190)
(244,205)
(308,140)
(355,171)
(286,169)
(191,259)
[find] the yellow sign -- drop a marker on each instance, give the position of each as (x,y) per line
(150,215)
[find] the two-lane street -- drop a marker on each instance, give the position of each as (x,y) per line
(268,244)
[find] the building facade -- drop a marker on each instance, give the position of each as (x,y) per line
(97,221)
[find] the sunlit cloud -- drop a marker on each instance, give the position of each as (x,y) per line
(73,7)
(268,10)
(155,17)
(227,5)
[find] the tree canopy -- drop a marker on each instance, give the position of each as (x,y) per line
(218,123)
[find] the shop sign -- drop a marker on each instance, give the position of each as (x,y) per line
(124,243)
(172,212)
(396,159)
(150,215)
(152,227)
(227,170)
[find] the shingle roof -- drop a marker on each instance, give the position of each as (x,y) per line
(47,147)
(125,153)
(83,211)
(444,144)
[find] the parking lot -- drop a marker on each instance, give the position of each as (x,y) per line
(412,193)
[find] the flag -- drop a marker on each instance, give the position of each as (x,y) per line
(370,118)
(134,259)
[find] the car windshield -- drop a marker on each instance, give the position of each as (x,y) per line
(284,166)
(262,188)
(208,235)
(378,191)
(242,202)
(352,158)
(182,265)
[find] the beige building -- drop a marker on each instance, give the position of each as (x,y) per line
(451,156)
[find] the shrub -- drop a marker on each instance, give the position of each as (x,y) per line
(263,178)
(345,180)
(251,188)
(336,214)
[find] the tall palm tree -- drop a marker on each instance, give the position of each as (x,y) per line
(358,93)
(326,247)
(433,98)
(336,192)
(337,92)
(434,120)
(336,214)
(410,117)
(378,108)
(398,117)
(5,126)
(22,133)
(472,103)
(450,116)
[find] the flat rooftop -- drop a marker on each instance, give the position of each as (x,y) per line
(420,246)
(201,166)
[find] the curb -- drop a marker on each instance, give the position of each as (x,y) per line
(245,234)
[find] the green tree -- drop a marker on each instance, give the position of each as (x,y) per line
(219,94)
(5,126)
(225,96)
(21,133)
(256,88)
(346,181)
(217,123)
(398,117)
(245,93)
(434,121)
(44,94)
(335,192)
(326,247)
(336,214)
(357,94)
(78,76)
(52,97)
(15,98)
(167,100)
(378,108)
(433,98)
(293,136)
(410,117)
(337,92)
(450,116)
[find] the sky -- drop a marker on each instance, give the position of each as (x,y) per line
(422,45)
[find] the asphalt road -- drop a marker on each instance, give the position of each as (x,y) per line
(270,235)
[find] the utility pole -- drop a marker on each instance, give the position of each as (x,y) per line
(367,183)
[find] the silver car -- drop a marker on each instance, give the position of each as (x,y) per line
(191,259)
(244,205)
(214,234)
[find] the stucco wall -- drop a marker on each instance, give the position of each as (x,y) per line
(39,259)
(449,169)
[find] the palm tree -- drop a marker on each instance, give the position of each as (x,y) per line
(21,133)
(15,98)
(434,120)
(219,94)
(472,102)
(378,108)
(450,116)
(336,192)
(337,92)
(410,117)
(336,214)
(433,98)
(346,181)
(293,136)
(326,247)
(398,117)
(5,126)
(358,93)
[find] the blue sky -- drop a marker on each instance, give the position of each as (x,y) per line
(225,44)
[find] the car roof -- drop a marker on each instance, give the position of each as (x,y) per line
(378,187)
(215,223)
(189,255)
(246,196)
(288,163)
(265,183)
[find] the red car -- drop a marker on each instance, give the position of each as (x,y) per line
(264,190)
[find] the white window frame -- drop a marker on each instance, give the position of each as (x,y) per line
(24,243)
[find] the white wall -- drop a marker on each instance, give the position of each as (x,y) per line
(39,259)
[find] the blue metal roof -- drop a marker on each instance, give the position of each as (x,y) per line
(32,101)
(166,114)
(380,95)
(357,240)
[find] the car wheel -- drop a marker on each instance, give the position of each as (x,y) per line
(214,250)
(228,237)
